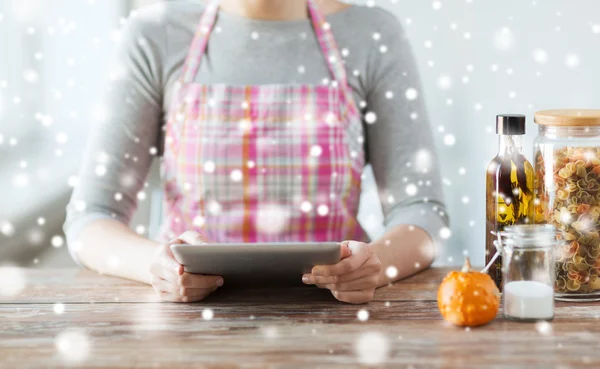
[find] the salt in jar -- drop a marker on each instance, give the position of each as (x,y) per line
(528,272)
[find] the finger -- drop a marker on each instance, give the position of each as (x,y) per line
(346,252)
(354,297)
(165,264)
(162,285)
(366,283)
(368,268)
(166,296)
(196,293)
(190,280)
(192,238)
(159,271)
(360,254)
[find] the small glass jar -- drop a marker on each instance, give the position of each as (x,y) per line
(528,272)
(567,195)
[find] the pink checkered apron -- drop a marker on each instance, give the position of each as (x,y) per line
(264,163)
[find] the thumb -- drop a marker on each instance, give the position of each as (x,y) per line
(346,252)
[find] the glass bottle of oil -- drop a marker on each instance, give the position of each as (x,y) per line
(509,187)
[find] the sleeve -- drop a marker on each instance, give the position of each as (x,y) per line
(122,141)
(399,140)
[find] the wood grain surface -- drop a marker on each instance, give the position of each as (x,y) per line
(113,323)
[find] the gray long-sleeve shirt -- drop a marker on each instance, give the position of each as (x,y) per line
(149,59)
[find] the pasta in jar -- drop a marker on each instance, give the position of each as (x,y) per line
(567,195)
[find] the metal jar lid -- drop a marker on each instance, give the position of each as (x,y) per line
(510,124)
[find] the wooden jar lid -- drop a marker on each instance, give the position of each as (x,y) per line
(568,117)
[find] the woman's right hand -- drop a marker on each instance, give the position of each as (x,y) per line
(170,281)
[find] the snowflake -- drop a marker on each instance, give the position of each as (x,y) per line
(214,207)
(389,95)
(411,94)
(73,345)
(7,229)
(58,308)
(73,181)
(323,210)
(445,233)
(572,60)
(428,44)
(207,314)
(391,272)
(101,170)
(362,315)
(41,221)
(465,199)
(270,332)
(30,76)
(306,206)
(209,167)
(540,56)
(444,82)
(372,348)
(61,138)
(254,35)
(35,237)
(543,328)
(316,151)
(236,175)
(376,36)
(370,117)
(301,69)
(411,189)
(436,5)
(80,206)
(12,280)
(141,196)
(596,28)
(423,160)
(449,140)
(140,229)
(504,39)
(272,218)
(57,241)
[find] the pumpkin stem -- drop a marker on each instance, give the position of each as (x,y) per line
(467,266)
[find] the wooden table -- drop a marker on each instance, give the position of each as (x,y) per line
(112,323)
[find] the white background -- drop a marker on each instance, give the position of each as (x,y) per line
(476,59)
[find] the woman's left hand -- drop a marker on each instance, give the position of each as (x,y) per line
(353,279)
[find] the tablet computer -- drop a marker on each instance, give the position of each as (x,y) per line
(274,263)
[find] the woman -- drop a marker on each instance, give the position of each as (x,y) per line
(266,126)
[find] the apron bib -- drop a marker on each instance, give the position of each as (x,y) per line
(263,163)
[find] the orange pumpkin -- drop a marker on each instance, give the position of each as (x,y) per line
(468,298)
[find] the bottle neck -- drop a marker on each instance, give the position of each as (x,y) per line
(510,145)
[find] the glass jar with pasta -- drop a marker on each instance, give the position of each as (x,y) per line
(567,195)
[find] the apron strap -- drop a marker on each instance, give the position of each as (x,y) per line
(327,43)
(200,41)
(322,31)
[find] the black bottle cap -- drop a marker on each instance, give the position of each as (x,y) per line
(510,124)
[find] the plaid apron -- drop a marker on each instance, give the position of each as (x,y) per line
(263,163)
